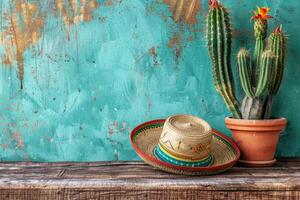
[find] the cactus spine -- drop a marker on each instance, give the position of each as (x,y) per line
(219,45)
(263,73)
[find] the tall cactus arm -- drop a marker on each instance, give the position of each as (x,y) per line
(264,72)
(224,56)
(260,34)
(277,42)
(244,67)
(227,51)
(219,45)
(212,48)
(258,50)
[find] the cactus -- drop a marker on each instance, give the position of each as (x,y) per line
(252,105)
(219,45)
(277,44)
(266,62)
(260,34)
(245,72)
(263,73)
(257,76)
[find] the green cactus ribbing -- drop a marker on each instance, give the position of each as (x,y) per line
(258,50)
(252,104)
(260,34)
(264,73)
(277,46)
(244,67)
(243,60)
(277,43)
(219,45)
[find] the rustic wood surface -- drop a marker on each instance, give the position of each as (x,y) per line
(136,180)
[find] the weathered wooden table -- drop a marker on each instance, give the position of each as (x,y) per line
(136,180)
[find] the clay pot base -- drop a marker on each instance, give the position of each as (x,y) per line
(257,163)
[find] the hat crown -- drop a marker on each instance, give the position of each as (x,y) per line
(186,137)
(189,125)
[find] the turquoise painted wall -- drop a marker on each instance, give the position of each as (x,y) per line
(94,70)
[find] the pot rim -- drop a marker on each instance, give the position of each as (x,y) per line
(272,119)
(256,120)
(256,123)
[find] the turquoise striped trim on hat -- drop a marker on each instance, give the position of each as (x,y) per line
(159,154)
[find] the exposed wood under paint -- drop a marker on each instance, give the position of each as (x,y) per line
(137,180)
(184,10)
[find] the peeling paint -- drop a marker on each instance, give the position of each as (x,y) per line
(73,12)
(116,127)
(183,10)
(153,54)
(25,24)
(109,2)
(175,40)
(17,138)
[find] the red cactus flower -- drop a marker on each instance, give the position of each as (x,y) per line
(262,13)
(278,29)
(214,3)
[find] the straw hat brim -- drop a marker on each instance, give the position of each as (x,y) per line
(145,137)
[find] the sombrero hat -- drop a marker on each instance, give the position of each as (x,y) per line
(157,143)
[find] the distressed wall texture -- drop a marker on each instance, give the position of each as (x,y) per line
(91,70)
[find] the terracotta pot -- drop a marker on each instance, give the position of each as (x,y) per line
(257,139)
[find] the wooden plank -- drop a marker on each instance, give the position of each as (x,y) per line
(157,194)
(136,180)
